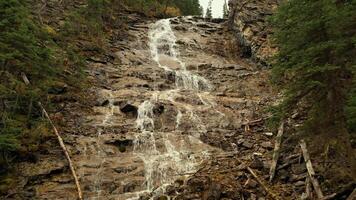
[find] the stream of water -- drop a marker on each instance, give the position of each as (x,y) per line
(167,155)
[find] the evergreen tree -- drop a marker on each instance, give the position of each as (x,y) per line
(21,46)
(316,41)
(209,13)
(225,10)
(351,105)
(188,7)
(22,50)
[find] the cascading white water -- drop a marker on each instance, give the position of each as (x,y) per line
(167,155)
(100,157)
(163,45)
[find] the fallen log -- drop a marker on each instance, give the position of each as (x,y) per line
(277,147)
(311,171)
(65,151)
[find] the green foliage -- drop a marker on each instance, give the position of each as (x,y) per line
(225,10)
(159,8)
(23,49)
(351,106)
(189,7)
(27,47)
(316,41)
(21,41)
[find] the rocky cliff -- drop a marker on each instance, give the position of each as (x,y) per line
(162,104)
(248,21)
(170,113)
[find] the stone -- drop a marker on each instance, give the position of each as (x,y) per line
(121,144)
(125,169)
(247,144)
(128,109)
(267,145)
(299,183)
(102,98)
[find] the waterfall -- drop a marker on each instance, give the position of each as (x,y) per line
(167,155)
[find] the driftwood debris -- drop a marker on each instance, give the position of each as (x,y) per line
(277,147)
(311,171)
(61,143)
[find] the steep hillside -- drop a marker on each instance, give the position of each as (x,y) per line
(154,109)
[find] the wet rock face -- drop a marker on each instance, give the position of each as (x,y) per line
(248,21)
(122,144)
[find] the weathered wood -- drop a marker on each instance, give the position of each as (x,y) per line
(25,79)
(311,171)
(253,122)
(308,192)
(65,151)
(277,147)
(61,143)
(261,182)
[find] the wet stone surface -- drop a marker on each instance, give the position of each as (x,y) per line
(169,114)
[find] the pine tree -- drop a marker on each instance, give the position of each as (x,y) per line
(188,7)
(225,10)
(22,50)
(209,13)
(316,41)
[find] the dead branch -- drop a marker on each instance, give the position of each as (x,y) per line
(253,122)
(25,79)
(61,143)
(65,151)
(311,171)
(261,182)
(308,193)
(277,147)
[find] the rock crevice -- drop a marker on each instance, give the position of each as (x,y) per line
(248,20)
